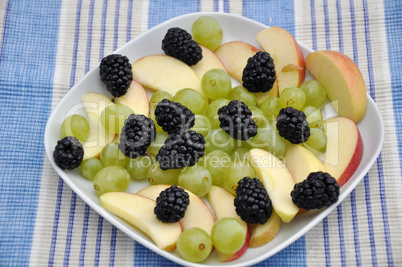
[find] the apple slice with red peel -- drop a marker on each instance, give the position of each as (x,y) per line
(262,234)
(139,211)
(99,137)
(222,204)
(162,72)
(342,80)
(277,180)
(301,162)
(136,98)
(209,61)
(344,148)
(197,213)
(287,56)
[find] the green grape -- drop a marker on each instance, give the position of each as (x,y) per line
(111,179)
(238,169)
(194,244)
(217,139)
(270,107)
(269,140)
(212,111)
(156,175)
(113,116)
(317,141)
(157,127)
(315,93)
(314,116)
(75,125)
(292,97)
(192,99)
(217,163)
(258,117)
(216,83)
(90,168)
(228,235)
(138,167)
(112,156)
(196,179)
(202,125)
(207,32)
(158,97)
(242,94)
(240,153)
(154,147)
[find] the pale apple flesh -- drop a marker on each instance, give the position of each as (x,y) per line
(139,211)
(209,61)
(342,80)
(197,213)
(277,180)
(136,98)
(287,55)
(262,234)
(344,148)
(99,137)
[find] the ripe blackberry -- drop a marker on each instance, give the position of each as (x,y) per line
(319,190)
(68,153)
(179,44)
(173,117)
(115,72)
(171,204)
(252,202)
(292,125)
(259,73)
(137,134)
(181,150)
(236,120)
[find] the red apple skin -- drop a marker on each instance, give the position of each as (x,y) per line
(231,257)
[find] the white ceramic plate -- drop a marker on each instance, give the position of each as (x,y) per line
(234,28)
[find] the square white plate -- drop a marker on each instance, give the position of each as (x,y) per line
(235,28)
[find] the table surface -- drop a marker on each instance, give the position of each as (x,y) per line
(47,46)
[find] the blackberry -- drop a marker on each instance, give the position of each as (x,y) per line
(252,202)
(171,204)
(68,153)
(137,134)
(292,125)
(173,117)
(236,120)
(179,44)
(259,73)
(115,72)
(319,190)
(181,150)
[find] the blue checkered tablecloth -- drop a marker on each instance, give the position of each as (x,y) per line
(46,46)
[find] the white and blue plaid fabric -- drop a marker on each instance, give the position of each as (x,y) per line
(46,46)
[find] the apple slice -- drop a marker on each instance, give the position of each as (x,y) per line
(277,180)
(197,214)
(94,104)
(262,234)
(344,148)
(136,98)
(287,55)
(301,162)
(139,211)
(342,80)
(222,204)
(162,72)
(209,61)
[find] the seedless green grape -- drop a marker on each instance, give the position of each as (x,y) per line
(315,93)
(112,156)
(217,139)
(90,168)
(270,107)
(269,140)
(217,162)
(154,147)
(212,111)
(157,127)
(202,125)
(242,94)
(292,97)
(258,117)
(238,169)
(314,116)
(228,235)
(196,179)
(138,167)
(207,32)
(192,99)
(158,97)
(113,116)
(317,141)
(111,179)
(156,175)
(194,244)
(240,153)
(75,125)
(216,83)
